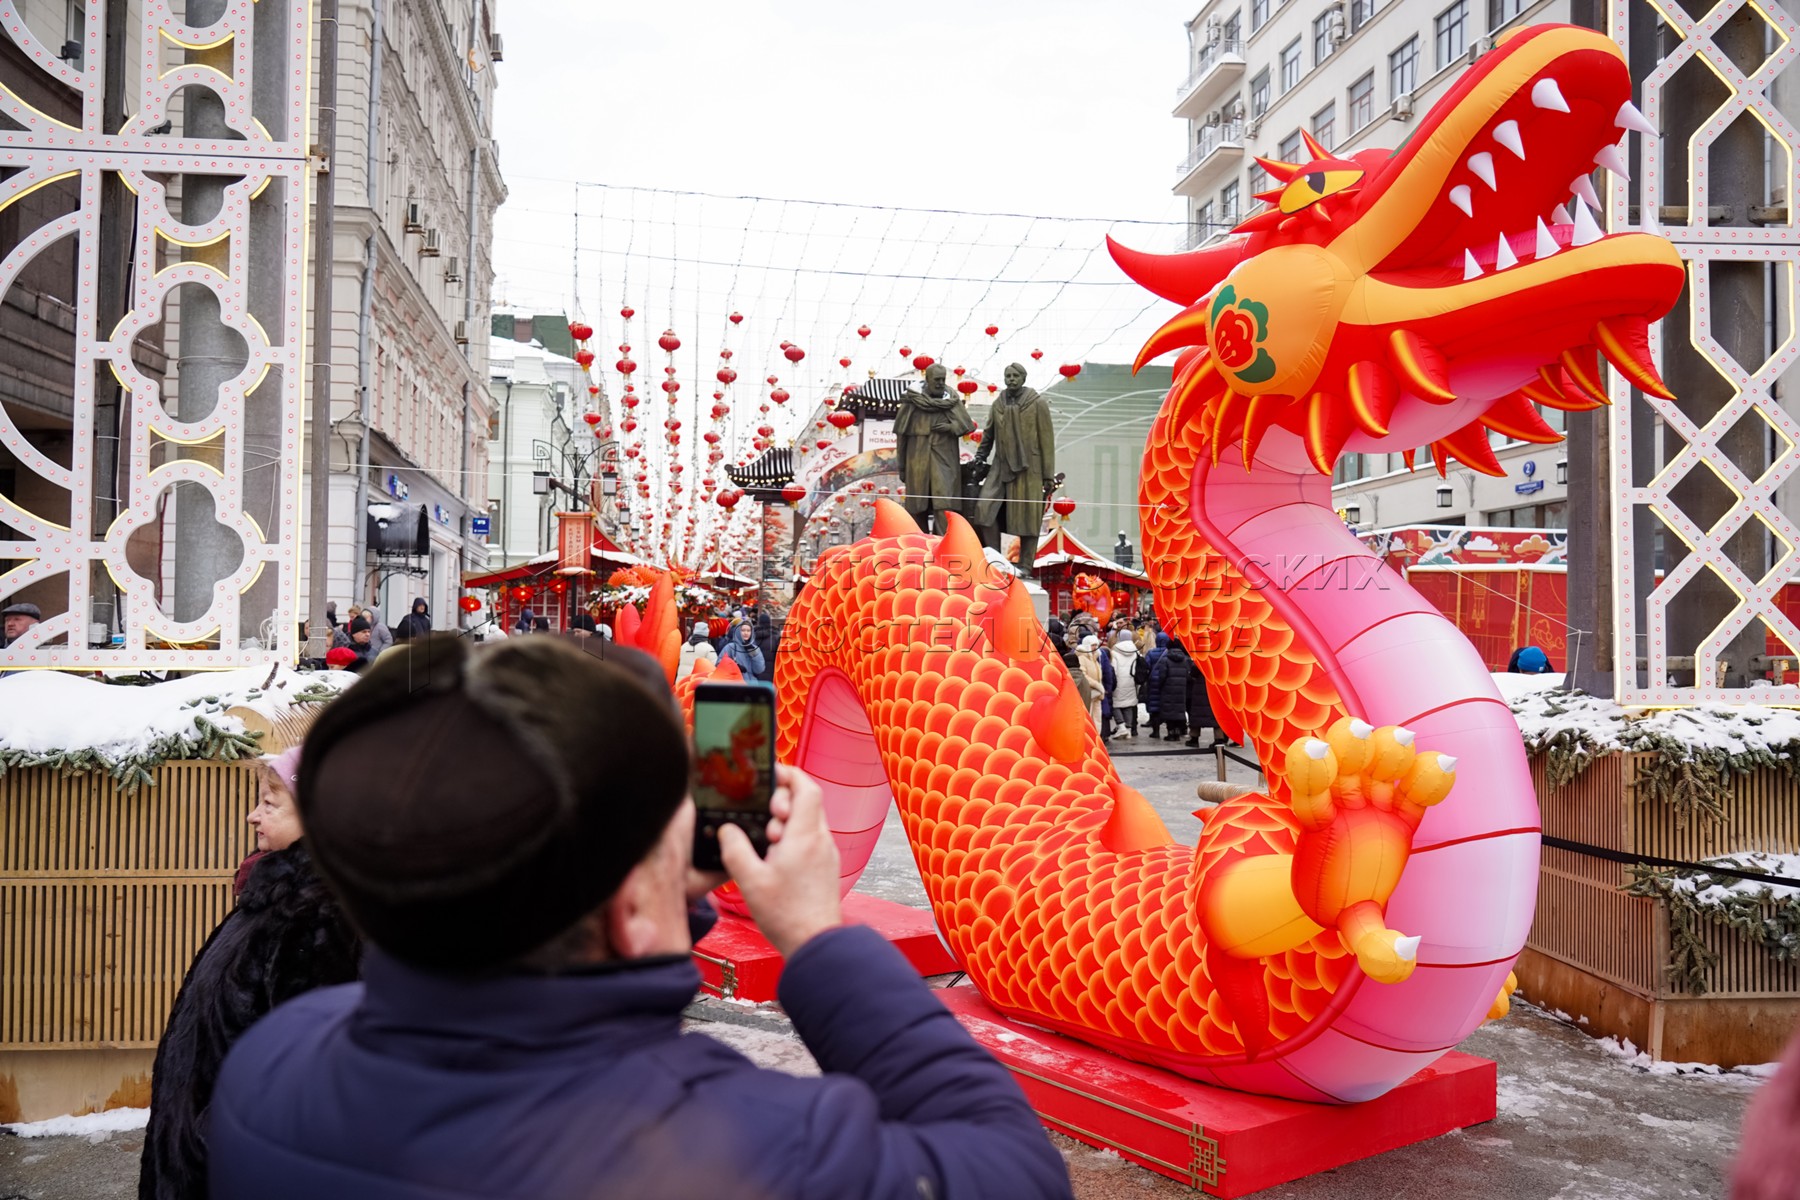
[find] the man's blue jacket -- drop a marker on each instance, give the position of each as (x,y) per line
(412,1085)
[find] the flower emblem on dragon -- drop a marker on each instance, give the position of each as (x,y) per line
(1238,330)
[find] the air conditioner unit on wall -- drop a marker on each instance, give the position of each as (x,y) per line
(461,333)
(430,248)
(1402,107)
(1254,127)
(453,272)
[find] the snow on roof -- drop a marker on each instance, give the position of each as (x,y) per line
(45,712)
(507,350)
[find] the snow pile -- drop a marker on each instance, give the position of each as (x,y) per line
(1627,1052)
(1514,687)
(48,718)
(1718,889)
(89,1125)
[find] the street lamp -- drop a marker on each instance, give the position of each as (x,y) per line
(1562,470)
(540,483)
(1352,513)
(1445,496)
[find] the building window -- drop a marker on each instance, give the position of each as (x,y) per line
(1360,12)
(1259,14)
(1452,27)
(1228,203)
(1502,11)
(1324,126)
(1291,150)
(1203,222)
(1362,102)
(1403,68)
(1321,37)
(1259,93)
(1234,32)
(1260,180)
(75,33)
(1290,66)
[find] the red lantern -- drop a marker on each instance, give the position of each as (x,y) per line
(625,366)
(1063,506)
(710,437)
(585,358)
(629,401)
(967,387)
(906,352)
(992,330)
(728,499)
(670,386)
(580,332)
(959,372)
(593,389)
(628,312)
(559,586)
(629,424)
(772,381)
(1070,370)
(736,319)
(726,375)
(765,431)
(794,492)
(843,362)
(794,354)
(719,411)
(1037,354)
(822,444)
(668,341)
(521,593)
(975,436)
(591,418)
(841,419)
(993,387)
(863,331)
(469,604)
(921,361)
(779,396)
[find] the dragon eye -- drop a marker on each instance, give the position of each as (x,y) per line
(1307,190)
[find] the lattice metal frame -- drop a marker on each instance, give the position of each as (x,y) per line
(1700,246)
(49,150)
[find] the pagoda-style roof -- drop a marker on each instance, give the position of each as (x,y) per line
(604,556)
(764,476)
(1063,547)
(876,400)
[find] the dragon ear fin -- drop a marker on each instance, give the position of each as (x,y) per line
(1277,169)
(1183,278)
(1469,444)
(1313,147)
(1228,421)
(1626,343)
(1512,416)
(1185,328)
(1440,458)
(1422,365)
(892,520)
(1372,393)
(1410,458)
(1582,366)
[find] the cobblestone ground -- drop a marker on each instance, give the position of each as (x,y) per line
(1575,1121)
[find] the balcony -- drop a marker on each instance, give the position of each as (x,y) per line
(1219,145)
(1221,68)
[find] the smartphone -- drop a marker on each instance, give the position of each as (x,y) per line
(734,765)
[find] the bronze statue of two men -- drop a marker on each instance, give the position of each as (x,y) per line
(1016,459)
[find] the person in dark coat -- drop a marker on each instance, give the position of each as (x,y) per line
(525,884)
(1199,709)
(286,936)
(765,641)
(1169,684)
(361,643)
(741,648)
(1059,641)
(1151,685)
(415,624)
(1109,680)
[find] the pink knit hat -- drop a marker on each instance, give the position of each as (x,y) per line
(286,767)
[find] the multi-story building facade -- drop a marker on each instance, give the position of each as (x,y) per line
(539,445)
(1355,74)
(418,181)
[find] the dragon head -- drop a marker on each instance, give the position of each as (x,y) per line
(1424,295)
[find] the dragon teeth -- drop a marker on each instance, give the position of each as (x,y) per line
(1560,215)
(1586,229)
(1630,118)
(1545,94)
(1508,135)
(1482,165)
(1463,198)
(1546,245)
(1613,159)
(1584,188)
(1504,256)
(1471,268)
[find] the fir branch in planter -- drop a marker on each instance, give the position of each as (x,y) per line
(1761,917)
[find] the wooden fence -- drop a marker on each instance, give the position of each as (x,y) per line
(1599,953)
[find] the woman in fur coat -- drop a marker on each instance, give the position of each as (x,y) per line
(286,936)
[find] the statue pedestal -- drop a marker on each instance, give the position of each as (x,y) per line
(737,962)
(1220,1142)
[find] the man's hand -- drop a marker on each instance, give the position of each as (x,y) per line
(793,893)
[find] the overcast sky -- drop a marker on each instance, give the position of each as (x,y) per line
(782,160)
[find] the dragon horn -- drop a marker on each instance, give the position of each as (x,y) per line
(1470,445)
(1183,278)
(1228,421)
(1312,146)
(1185,328)
(891,520)
(959,551)
(1264,412)
(1582,365)
(1372,389)
(1326,431)
(1537,393)
(1278,169)
(1626,343)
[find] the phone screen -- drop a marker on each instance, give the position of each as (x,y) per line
(734,765)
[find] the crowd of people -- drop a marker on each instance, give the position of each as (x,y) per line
(1129,670)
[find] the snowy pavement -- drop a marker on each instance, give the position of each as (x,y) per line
(1578,1118)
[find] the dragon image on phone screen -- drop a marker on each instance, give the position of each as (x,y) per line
(734,765)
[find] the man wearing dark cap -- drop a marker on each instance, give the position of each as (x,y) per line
(15,619)
(511,830)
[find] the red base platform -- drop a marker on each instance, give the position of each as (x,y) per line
(1221,1142)
(737,962)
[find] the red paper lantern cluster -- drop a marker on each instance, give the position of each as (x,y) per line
(470,604)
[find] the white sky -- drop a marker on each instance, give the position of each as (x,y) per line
(861,117)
